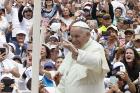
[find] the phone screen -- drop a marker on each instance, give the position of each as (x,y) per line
(113,80)
(2,50)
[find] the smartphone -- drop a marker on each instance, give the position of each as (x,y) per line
(113,80)
(2,50)
(7,82)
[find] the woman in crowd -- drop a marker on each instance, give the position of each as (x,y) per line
(112,42)
(45,54)
(66,16)
(49,11)
(131,61)
(25,15)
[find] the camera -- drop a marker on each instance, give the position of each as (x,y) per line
(2,50)
(7,83)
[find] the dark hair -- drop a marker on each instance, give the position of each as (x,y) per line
(118,52)
(46,4)
(70,13)
(133,71)
(47,51)
(120,9)
(17,58)
(136,56)
(20,14)
(29,83)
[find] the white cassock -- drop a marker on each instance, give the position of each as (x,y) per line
(86,74)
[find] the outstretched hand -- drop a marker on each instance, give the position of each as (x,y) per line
(71,48)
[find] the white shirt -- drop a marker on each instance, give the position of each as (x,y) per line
(8,64)
(86,74)
(13,17)
(3,24)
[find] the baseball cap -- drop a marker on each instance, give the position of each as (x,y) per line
(20,32)
(114,27)
(49,65)
(54,36)
(55,27)
(117,67)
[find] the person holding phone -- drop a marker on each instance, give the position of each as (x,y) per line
(7,65)
(119,82)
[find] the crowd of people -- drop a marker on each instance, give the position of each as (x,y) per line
(87,46)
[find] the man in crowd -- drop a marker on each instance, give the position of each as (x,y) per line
(85,66)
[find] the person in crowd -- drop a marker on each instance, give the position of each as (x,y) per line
(129,36)
(66,16)
(112,42)
(45,55)
(87,11)
(130,14)
(3,21)
(137,42)
(49,10)
(119,53)
(58,62)
(7,65)
(28,63)
(20,44)
(105,10)
(12,16)
(120,81)
(85,66)
(4,25)
(106,22)
(25,16)
(131,62)
(117,15)
(94,26)
(54,51)
(53,41)
(70,5)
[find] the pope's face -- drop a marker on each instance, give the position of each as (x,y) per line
(79,37)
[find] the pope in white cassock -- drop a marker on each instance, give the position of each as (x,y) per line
(85,66)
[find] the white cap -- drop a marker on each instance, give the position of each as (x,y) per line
(55,36)
(114,27)
(87,7)
(20,32)
(81,24)
(119,64)
(55,27)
